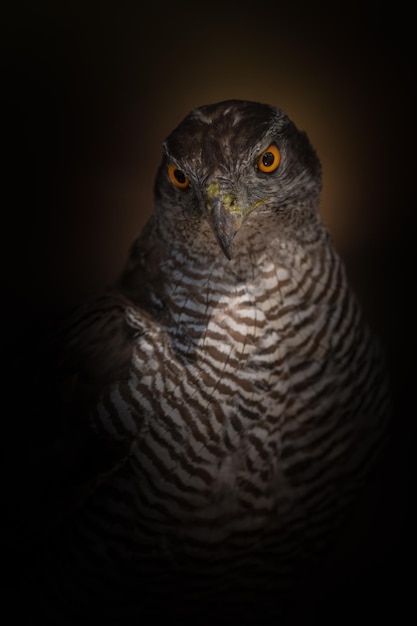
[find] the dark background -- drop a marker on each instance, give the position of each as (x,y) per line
(90,91)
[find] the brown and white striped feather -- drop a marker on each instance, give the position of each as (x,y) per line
(242,407)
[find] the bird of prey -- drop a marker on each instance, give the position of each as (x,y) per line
(198,433)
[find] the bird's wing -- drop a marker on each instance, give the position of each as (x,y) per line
(53,458)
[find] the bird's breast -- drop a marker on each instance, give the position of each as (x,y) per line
(243,402)
(215,400)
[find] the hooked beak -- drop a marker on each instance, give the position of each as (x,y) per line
(224,217)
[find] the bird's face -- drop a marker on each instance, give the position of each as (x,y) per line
(234,160)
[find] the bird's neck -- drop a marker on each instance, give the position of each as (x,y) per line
(234,302)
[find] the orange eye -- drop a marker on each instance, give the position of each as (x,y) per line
(269,159)
(178,177)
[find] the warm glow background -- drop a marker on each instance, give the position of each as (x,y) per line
(91,89)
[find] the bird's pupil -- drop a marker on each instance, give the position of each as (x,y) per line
(268,159)
(180,176)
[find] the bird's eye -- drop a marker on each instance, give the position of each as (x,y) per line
(269,159)
(178,177)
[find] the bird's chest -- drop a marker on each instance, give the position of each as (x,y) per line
(236,342)
(230,346)
(220,404)
(211,444)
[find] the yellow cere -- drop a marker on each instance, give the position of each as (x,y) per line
(229,201)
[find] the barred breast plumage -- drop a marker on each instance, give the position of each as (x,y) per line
(252,400)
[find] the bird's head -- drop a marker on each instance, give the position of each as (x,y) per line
(228,165)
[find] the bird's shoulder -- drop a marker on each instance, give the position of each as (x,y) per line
(56,371)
